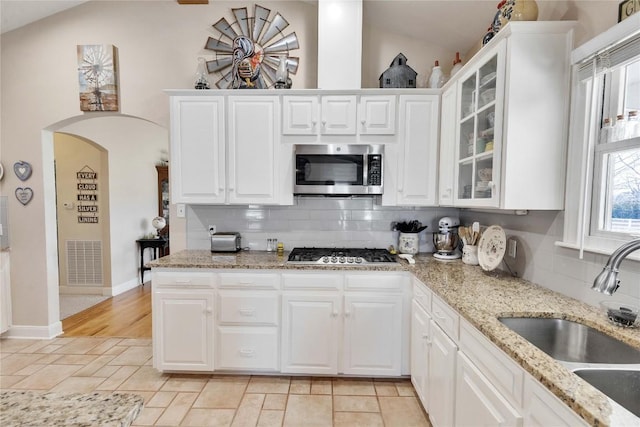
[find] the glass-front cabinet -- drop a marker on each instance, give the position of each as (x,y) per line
(478,132)
(506,136)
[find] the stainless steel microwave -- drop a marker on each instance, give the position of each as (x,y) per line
(339,169)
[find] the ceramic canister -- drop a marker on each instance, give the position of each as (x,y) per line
(409,243)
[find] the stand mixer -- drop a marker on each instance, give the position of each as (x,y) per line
(446,239)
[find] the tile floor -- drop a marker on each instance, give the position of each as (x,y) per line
(125,365)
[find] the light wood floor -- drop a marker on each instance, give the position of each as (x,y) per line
(127,315)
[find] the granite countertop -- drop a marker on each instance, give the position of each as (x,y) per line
(480,297)
(31,408)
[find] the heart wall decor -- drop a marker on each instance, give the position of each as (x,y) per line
(24,195)
(22,169)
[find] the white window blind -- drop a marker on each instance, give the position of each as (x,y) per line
(614,56)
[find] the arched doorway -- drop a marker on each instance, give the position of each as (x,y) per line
(132,146)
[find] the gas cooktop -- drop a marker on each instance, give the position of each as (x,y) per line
(340,256)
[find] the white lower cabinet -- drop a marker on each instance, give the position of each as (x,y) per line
(420,332)
(247,333)
(349,324)
(478,402)
(247,348)
(441,377)
(541,408)
(372,335)
(183,329)
(310,333)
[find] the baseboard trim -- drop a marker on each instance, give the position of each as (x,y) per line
(85,290)
(34,332)
(122,288)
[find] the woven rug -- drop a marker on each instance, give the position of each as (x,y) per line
(72,304)
(31,408)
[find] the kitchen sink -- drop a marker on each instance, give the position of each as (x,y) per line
(622,386)
(570,341)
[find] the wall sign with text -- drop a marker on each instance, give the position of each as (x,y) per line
(87,197)
(627,8)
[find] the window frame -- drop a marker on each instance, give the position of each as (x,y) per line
(586,112)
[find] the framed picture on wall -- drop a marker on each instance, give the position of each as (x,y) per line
(98,77)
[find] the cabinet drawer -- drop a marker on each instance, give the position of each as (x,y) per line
(250,308)
(312,281)
(195,279)
(379,281)
(250,280)
(446,318)
(503,372)
(245,348)
(422,295)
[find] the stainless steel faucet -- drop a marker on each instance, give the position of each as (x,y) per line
(607,281)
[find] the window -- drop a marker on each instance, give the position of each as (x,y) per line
(616,185)
(602,203)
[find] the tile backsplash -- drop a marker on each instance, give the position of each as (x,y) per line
(313,221)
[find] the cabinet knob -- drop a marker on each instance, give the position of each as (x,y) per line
(209,310)
(231,189)
(324,123)
(347,314)
(334,314)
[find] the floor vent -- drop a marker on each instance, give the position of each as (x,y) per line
(84,262)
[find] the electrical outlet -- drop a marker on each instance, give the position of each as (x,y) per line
(511,247)
(212,230)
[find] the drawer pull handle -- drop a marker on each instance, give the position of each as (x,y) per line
(183,281)
(250,311)
(247,352)
(246,282)
(439,315)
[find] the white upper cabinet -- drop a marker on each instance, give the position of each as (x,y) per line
(225,150)
(198,161)
(377,115)
(252,157)
(447,146)
(300,115)
(415,170)
(338,115)
(511,120)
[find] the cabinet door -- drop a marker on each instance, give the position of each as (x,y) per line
(441,383)
(377,115)
(372,335)
(338,115)
(300,115)
(310,333)
(5,292)
(479,131)
(253,158)
(542,408)
(419,351)
(478,402)
(447,146)
(418,150)
(197,150)
(183,330)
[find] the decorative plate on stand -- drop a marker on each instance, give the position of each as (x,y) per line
(248,50)
(492,247)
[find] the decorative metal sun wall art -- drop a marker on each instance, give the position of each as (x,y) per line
(248,50)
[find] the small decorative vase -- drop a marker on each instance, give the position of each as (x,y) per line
(519,10)
(470,255)
(409,243)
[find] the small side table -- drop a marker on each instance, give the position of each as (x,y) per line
(159,244)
